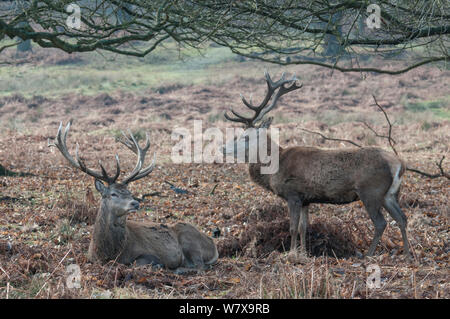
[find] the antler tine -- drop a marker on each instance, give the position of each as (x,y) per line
(262,108)
(283,90)
(277,84)
(133,145)
(128,142)
(144,172)
(138,166)
(60,143)
(125,140)
(105,174)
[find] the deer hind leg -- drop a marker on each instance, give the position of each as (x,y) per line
(393,208)
(373,207)
(295,208)
(148,259)
(199,251)
(193,257)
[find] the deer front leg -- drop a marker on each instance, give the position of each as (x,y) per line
(295,207)
(303,226)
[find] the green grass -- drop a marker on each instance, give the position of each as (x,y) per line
(439,107)
(139,134)
(98,73)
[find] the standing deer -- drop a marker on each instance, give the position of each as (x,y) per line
(312,175)
(114,238)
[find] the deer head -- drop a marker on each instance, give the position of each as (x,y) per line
(117,200)
(256,126)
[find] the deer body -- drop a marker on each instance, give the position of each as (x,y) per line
(149,243)
(328,175)
(114,238)
(312,175)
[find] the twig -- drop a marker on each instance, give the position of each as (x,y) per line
(46,281)
(214,188)
(375,132)
(353,289)
(10,45)
(4,272)
(441,173)
(389,137)
(176,189)
(331,138)
(14,199)
(6,172)
(149,195)
(392,142)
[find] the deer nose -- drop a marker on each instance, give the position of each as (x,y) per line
(135,204)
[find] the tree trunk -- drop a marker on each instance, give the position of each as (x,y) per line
(24,46)
(332,48)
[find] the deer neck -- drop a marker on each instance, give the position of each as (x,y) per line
(263,180)
(109,235)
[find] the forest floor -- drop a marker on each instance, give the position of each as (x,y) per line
(47,214)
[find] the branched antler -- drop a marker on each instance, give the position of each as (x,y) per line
(262,109)
(133,145)
(60,143)
(77,162)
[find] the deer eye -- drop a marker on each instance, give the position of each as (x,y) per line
(114,195)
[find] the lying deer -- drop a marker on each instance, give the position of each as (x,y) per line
(115,238)
(312,175)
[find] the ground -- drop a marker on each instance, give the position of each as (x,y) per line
(47,209)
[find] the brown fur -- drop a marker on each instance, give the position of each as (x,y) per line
(327,176)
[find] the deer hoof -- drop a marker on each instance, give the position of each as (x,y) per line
(297,257)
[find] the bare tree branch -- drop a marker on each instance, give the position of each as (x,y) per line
(285,32)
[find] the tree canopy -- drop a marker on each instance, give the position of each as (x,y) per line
(334,34)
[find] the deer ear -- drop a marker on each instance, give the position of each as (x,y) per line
(100,186)
(266,123)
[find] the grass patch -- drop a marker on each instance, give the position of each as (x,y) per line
(335,117)
(162,70)
(439,108)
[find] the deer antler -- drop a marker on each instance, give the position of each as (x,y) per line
(60,143)
(130,142)
(263,109)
